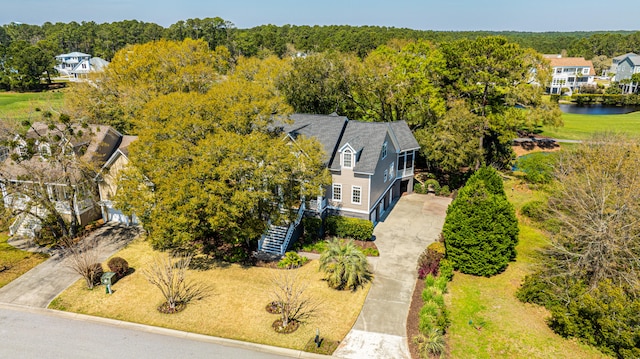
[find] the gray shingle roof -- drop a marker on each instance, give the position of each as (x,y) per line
(622,57)
(327,129)
(404,136)
(366,138)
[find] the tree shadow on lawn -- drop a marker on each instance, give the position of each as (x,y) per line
(205,263)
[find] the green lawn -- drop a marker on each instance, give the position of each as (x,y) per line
(17,107)
(14,262)
(579,127)
(488,321)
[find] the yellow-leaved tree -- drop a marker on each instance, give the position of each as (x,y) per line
(209,169)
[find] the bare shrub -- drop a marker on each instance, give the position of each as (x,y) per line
(169,275)
(291,296)
(82,258)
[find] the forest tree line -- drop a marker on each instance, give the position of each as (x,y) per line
(30,49)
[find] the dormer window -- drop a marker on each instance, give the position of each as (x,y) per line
(384,150)
(347,158)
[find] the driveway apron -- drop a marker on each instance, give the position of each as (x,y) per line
(380,330)
(39,286)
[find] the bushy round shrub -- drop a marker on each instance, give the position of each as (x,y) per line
(292,260)
(118,265)
(432,184)
(481,228)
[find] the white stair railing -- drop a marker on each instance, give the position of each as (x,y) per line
(292,227)
(16,224)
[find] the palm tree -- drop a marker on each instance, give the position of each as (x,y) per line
(344,265)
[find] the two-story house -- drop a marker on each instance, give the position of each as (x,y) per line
(626,66)
(37,174)
(569,73)
(613,70)
(371,165)
(77,65)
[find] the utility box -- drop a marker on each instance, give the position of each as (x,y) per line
(108,278)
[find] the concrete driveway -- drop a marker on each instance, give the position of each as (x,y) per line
(39,286)
(380,330)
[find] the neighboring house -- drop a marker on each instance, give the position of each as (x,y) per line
(613,70)
(94,146)
(107,183)
(77,65)
(569,73)
(625,68)
(371,164)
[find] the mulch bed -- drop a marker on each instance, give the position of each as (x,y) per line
(165,309)
(273,308)
(365,244)
(413,318)
(290,328)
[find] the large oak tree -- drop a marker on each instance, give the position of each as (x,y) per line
(209,168)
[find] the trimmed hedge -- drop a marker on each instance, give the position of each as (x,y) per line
(607,99)
(345,227)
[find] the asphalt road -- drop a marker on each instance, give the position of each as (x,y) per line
(39,333)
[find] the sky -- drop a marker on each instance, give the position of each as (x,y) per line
(447,15)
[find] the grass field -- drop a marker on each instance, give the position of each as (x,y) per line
(508,328)
(18,107)
(14,262)
(235,309)
(580,127)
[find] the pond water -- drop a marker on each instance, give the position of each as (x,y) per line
(597,109)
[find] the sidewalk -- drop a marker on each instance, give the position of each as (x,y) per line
(380,330)
(39,286)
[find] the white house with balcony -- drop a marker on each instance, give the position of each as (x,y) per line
(78,65)
(569,73)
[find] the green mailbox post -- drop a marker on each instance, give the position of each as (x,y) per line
(107,279)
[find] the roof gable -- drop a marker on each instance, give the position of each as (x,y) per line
(365,139)
(327,129)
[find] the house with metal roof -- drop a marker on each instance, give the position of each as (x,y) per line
(371,165)
(78,65)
